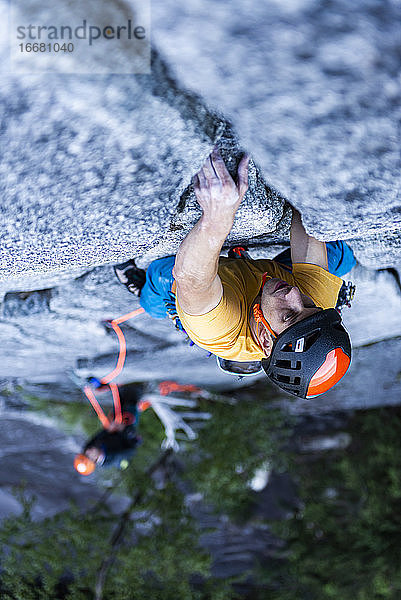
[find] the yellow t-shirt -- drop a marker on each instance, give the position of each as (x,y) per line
(225,330)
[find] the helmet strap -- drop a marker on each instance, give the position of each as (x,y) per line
(258,314)
(259,318)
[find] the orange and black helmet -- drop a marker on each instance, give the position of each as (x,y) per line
(311,356)
(84,465)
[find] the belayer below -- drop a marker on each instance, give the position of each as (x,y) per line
(115,445)
(278,315)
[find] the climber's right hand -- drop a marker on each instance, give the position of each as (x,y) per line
(217,193)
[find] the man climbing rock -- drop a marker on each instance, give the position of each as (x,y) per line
(280,312)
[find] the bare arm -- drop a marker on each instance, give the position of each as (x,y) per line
(304,247)
(199,288)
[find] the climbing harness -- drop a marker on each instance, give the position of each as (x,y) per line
(238,368)
(239,252)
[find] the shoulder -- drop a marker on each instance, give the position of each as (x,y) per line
(247,273)
(319,284)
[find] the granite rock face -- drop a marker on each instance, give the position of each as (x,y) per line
(92,169)
(313,90)
(97,169)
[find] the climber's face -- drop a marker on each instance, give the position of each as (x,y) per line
(283,305)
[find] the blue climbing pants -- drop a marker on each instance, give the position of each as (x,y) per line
(156,294)
(157,299)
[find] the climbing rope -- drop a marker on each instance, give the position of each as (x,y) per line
(165,387)
(107,379)
(123,346)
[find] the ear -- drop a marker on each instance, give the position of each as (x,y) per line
(265,339)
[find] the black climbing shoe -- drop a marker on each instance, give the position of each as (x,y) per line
(131,276)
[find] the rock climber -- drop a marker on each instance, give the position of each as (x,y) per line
(114,445)
(280,312)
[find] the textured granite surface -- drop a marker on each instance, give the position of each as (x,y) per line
(313,89)
(95,169)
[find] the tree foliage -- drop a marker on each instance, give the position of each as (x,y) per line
(152,548)
(345,542)
(241,438)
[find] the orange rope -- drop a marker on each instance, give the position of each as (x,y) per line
(118,418)
(166,387)
(123,347)
(98,409)
(108,378)
(128,316)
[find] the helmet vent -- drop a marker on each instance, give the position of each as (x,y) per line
(288,364)
(308,341)
(311,339)
(299,346)
(289,380)
(283,364)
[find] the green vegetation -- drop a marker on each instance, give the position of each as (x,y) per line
(72,416)
(240,439)
(152,547)
(343,543)
(346,542)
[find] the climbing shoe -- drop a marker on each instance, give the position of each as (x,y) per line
(131,276)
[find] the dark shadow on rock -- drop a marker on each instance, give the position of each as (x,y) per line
(21,304)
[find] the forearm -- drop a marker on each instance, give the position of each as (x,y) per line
(198,255)
(198,286)
(305,248)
